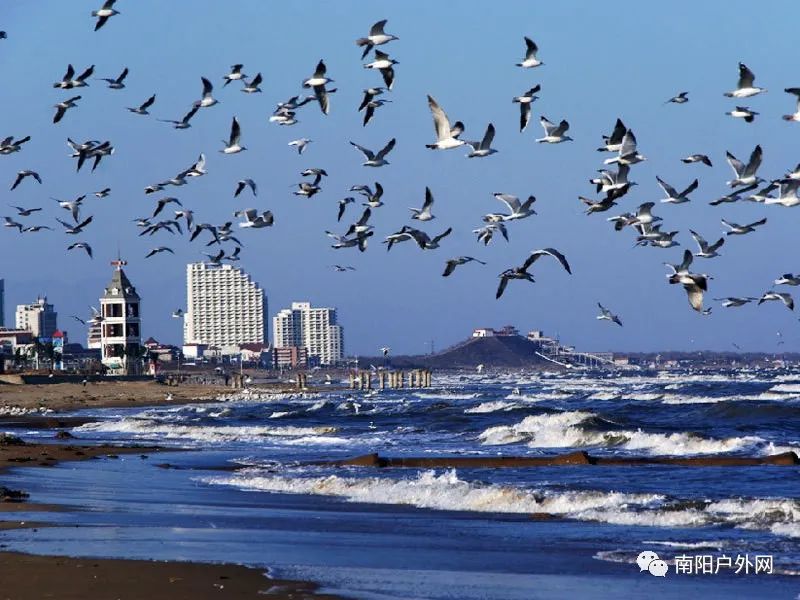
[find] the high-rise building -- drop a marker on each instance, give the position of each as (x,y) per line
(314,329)
(224,308)
(39,318)
(2,302)
(121,332)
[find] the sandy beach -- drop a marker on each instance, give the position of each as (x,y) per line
(31,577)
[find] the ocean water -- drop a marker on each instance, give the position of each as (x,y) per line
(246,490)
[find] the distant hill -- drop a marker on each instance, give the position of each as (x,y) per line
(506,351)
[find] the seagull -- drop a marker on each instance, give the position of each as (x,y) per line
(118,83)
(376,37)
(787,194)
(525,101)
(300,144)
(644,216)
(253,219)
(375,159)
(403,235)
(734,301)
(9,145)
(343,268)
(198,169)
(795,116)
(607,315)
(486,233)
(787,299)
(78,319)
(243,183)
(317,82)
(74,206)
(25,212)
(621,221)
(361,225)
(745,87)
(736,229)
(627,153)
(451,264)
(734,196)
(673,197)
(343,206)
(69,80)
(215,259)
(369,96)
(681,98)
(613,142)
(142,108)
(103,193)
(693,158)
(184,122)
(742,112)
(23,174)
(251,87)
(518,210)
(306,189)
(186,214)
(694,284)
(235,75)
(530,60)
(232,145)
(104,14)
(522,271)
(163,202)
(371,106)
(706,250)
(599,206)
(745,175)
(35,228)
(483,148)
(554,134)
(74,229)
(207,99)
(385,65)
(82,246)
(446,136)
(424,213)
(359,241)
(177,314)
(62,107)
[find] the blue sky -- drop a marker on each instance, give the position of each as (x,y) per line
(601,63)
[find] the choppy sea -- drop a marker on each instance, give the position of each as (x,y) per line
(242,490)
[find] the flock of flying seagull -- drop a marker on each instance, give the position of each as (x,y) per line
(612,183)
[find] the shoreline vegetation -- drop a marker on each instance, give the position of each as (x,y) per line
(31,577)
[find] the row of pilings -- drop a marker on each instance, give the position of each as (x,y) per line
(368,379)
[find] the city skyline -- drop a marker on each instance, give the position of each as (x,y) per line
(399,299)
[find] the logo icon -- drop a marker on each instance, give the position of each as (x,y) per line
(649,561)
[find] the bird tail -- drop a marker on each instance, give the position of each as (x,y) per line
(362,42)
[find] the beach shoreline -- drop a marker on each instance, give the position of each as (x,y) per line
(32,577)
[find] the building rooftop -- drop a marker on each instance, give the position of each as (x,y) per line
(120,286)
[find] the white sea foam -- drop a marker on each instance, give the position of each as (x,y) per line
(446,491)
(786,388)
(493,406)
(710,545)
(446,395)
(565,429)
(154,429)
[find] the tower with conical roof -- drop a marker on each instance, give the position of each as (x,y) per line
(121,333)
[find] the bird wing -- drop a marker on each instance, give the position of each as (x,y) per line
(486,142)
(388,75)
(746,77)
(536,254)
(190,114)
(239,188)
(717,245)
(735,163)
(426,206)
(440,121)
(524,115)
(690,188)
(754,162)
(548,126)
(322,97)
(668,189)
(386,149)
(757,223)
(86,74)
(69,74)
(365,151)
(695,295)
(442,235)
(700,241)
(512,202)
(236,132)
(501,287)
(562,128)
(687,261)
(148,103)
(530,48)
(619,132)
(321,69)
(628,144)
(377,28)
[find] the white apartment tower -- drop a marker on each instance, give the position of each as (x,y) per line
(312,328)
(224,308)
(121,327)
(39,318)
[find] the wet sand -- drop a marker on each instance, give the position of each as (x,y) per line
(28,577)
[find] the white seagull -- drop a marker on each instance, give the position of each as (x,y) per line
(627,153)
(525,101)
(745,174)
(251,87)
(385,65)
(607,315)
(117,83)
(484,147)
(745,87)
(232,145)
(424,213)
(735,301)
(451,264)
(742,112)
(142,108)
(184,122)
(243,183)
(788,279)
(300,144)
(446,136)
(521,272)
(255,220)
(693,158)
(706,250)
(736,229)
(235,74)
(375,159)
(554,134)
(787,299)
(104,13)
(207,99)
(795,116)
(518,210)
(530,60)
(376,37)
(317,82)
(673,197)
